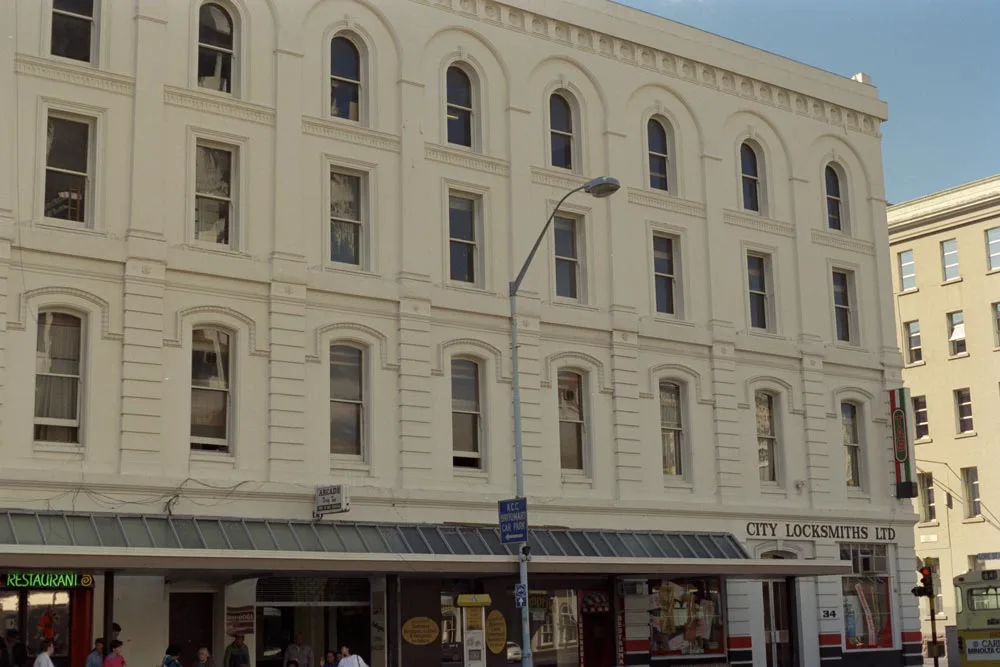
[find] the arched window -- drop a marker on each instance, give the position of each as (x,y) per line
(671,428)
(852,443)
(216,48)
(466,414)
(460,107)
(211,400)
(58,371)
(561,130)
(834,199)
(658,155)
(767,436)
(345,79)
(347,400)
(572,421)
(750,170)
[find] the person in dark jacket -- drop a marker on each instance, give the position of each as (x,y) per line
(18,651)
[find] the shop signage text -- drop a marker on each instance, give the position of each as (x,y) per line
(496,632)
(982,649)
(240,620)
(420,631)
(819,531)
(47,580)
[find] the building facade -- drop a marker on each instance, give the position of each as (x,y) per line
(946,277)
(250,247)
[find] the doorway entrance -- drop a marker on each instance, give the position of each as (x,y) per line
(190,623)
(779,623)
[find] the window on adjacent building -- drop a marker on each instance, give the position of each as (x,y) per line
(466,417)
(949,259)
(956,332)
(345,79)
(834,200)
(463,230)
(920,417)
(671,428)
(58,371)
(68,168)
(759,283)
(963,407)
(567,248)
(347,400)
(843,310)
(767,437)
(216,48)
(460,107)
(750,177)
(907,271)
(571,420)
(561,130)
(347,236)
(914,351)
(993,248)
(925,487)
(852,443)
(73,30)
(665,274)
(867,597)
(214,209)
(996,322)
(211,399)
(659,158)
(970,486)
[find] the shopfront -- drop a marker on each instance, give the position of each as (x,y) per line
(49,605)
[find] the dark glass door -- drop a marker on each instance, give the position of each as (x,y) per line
(779,635)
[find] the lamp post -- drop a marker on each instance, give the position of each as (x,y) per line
(603,186)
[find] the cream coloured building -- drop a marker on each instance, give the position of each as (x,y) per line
(250,247)
(946,277)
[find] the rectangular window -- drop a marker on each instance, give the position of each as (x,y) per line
(210,390)
(466,417)
(346,218)
(213,194)
(970,486)
(665,274)
(867,597)
(852,443)
(907,271)
(949,259)
(759,282)
(920,417)
(956,332)
(843,297)
(993,248)
(73,29)
(677,606)
(567,242)
(671,428)
(463,248)
(995,308)
(925,485)
(68,168)
(571,420)
(963,407)
(347,400)
(57,378)
(767,438)
(914,350)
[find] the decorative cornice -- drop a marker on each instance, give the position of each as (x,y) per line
(466,160)
(586,363)
(758,223)
(843,242)
(190,99)
(564,180)
(483,348)
(75,74)
(228,313)
(662,62)
(332,129)
(666,202)
(101,305)
(368,336)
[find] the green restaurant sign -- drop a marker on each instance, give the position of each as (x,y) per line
(47,579)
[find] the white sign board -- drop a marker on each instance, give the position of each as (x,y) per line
(333,499)
(982,649)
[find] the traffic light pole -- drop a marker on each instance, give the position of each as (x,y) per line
(934,642)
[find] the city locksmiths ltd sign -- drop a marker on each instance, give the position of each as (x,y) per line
(819,531)
(46,580)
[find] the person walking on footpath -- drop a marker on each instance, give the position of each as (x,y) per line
(172,656)
(348,659)
(18,651)
(45,650)
(115,657)
(96,657)
(203,658)
(300,652)
(237,654)
(331,659)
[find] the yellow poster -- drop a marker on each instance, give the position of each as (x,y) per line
(496,632)
(420,631)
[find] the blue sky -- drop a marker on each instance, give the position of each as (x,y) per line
(933,61)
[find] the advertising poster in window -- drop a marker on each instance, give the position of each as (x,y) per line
(686,617)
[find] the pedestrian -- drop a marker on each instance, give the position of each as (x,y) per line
(170,659)
(96,657)
(331,659)
(45,650)
(18,651)
(4,652)
(348,659)
(115,658)
(204,658)
(300,652)
(237,654)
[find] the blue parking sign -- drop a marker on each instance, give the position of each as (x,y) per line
(520,596)
(513,520)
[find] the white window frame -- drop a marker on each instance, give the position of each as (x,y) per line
(854,324)
(585,407)
(993,249)
(971,491)
(93,118)
(906,262)
(478,243)
(368,251)
(949,260)
(480,453)
(675,278)
(365,111)
(916,417)
(95,33)
(773,438)
(475,111)
(581,260)
(842,200)
(914,351)
(234,196)
(680,429)
(77,423)
(770,307)
(957,345)
(854,449)
(962,398)
(995,313)
(237,66)
(229,441)
(925,488)
(365,436)
(576,115)
(763,200)
(671,175)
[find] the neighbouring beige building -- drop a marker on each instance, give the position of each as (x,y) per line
(252,247)
(946,277)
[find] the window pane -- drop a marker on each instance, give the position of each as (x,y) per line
(210,359)
(459,126)
(657,137)
(215,69)
(56,397)
(463,262)
(571,445)
(48,433)
(459,87)
(756,273)
(65,196)
(67,144)
(345,196)
(664,294)
(658,172)
(345,242)
(209,413)
(672,452)
(562,150)
(663,255)
(345,428)
(566,279)
(211,220)
(832,182)
(565,233)
(841,296)
(758,311)
(345,373)
(465,432)
(345,60)
(345,99)
(748,160)
(57,344)
(993,247)
(215,27)
(843,324)
(765,413)
(462,218)
(833,213)
(464,385)
(849,419)
(560,114)
(670,405)
(570,399)
(71,37)
(751,201)
(81,7)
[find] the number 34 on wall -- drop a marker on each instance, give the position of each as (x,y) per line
(828,613)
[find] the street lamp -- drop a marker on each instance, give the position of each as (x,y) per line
(603,186)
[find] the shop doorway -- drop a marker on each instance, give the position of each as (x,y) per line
(779,623)
(597,641)
(190,623)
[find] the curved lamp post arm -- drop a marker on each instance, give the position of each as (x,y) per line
(516,283)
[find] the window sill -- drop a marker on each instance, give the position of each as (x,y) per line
(857,494)
(72,61)
(677,483)
(65,448)
(213,457)
(573,303)
(951,282)
(974,519)
(215,249)
(912,290)
(929,524)
(961,355)
(570,478)
(346,462)
(471,288)
(55,224)
(470,473)
(351,269)
(966,434)
(916,364)
(765,333)
(926,440)
(667,318)
(773,490)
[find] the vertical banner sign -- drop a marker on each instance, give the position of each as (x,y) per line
(902,442)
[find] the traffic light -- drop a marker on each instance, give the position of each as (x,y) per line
(926,587)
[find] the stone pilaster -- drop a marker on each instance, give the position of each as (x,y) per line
(286,416)
(416,444)
(8,111)
(625,414)
(5,253)
(818,448)
(536,457)
(729,444)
